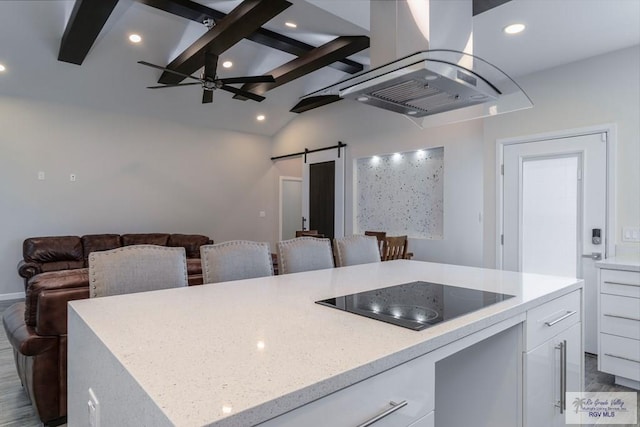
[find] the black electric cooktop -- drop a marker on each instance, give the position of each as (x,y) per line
(415,305)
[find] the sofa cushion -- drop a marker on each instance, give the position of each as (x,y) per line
(99,242)
(159,239)
(64,279)
(190,242)
(52,249)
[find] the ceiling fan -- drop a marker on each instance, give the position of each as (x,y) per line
(210,82)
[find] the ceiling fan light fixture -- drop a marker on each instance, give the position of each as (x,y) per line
(260,117)
(135,38)
(227,64)
(514,28)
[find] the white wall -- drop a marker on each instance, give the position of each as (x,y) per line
(134,174)
(600,90)
(368,131)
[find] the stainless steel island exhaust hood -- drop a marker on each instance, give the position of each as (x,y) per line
(419,86)
(432,82)
(436,74)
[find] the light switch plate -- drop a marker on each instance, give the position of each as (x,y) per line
(631,234)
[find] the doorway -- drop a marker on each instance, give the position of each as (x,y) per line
(290,206)
(323,192)
(556,210)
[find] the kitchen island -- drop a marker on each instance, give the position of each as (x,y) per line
(252,351)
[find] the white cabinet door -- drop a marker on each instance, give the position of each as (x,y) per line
(545,370)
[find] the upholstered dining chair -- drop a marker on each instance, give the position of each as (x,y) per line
(235,260)
(304,254)
(136,268)
(380,236)
(356,249)
(395,247)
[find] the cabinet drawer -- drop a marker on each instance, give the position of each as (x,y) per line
(426,421)
(549,319)
(620,356)
(617,282)
(620,316)
(413,382)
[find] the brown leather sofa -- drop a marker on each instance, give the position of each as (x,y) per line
(55,270)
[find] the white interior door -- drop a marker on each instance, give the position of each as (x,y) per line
(322,206)
(290,206)
(554,197)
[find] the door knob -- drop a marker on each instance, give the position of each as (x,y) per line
(596,256)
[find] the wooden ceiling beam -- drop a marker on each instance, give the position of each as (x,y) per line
(196,12)
(336,49)
(246,18)
(85,23)
(314,102)
(480,6)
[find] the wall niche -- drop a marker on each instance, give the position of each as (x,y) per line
(401,193)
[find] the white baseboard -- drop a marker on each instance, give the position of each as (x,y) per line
(16,295)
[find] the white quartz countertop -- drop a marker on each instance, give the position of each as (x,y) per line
(239,353)
(629,262)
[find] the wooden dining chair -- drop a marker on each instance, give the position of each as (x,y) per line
(395,247)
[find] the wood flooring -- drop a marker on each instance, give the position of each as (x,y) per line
(15,408)
(16,411)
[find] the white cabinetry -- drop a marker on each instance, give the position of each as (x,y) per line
(401,396)
(619,325)
(553,362)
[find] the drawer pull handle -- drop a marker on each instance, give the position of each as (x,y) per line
(394,407)
(622,317)
(622,357)
(622,284)
(561,318)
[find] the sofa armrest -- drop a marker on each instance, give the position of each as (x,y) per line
(28,269)
(22,337)
(52,281)
(52,309)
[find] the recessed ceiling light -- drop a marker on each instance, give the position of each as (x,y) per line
(260,117)
(514,28)
(412,113)
(227,64)
(291,24)
(363,98)
(135,38)
(431,77)
(2,68)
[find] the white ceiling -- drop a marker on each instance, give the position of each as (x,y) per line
(558,32)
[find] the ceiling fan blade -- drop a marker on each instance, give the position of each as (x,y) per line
(207,96)
(248,79)
(175,85)
(243,93)
(186,76)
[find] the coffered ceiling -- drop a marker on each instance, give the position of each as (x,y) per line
(110,78)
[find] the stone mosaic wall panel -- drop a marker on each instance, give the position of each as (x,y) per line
(401,194)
